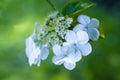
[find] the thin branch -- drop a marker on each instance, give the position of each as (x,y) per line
(52,5)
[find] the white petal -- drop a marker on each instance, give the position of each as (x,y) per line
(37,61)
(71,49)
(93,34)
(69,65)
(66,44)
(85,49)
(44,53)
(79,27)
(30,45)
(33,56)
(57,49)
(29,42)
(58,60)
(83,19)
(67,50)
(75,57)
(71,37)
(78,56)
(53,15)
(64,50)
(82,37)
(94,23)
(36,28)
(27,51)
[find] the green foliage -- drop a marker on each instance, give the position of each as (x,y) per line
(74,8)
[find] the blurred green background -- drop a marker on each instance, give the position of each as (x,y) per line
(17,18)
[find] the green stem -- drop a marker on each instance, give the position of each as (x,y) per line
(52,5)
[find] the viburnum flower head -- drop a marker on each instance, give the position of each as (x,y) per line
(68,45)
(88,25)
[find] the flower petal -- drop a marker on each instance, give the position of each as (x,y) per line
(83,19)
(36,28)
(30,46)
(58,60)
(78,27)
(71,37)
(78,56)
(94,23)
(71,49)
(69,65)
(33,56)
(44,53)
(82,37)
(64,50)
(57,49)
(85,49)
(93,34)
(37,61)
(66,43)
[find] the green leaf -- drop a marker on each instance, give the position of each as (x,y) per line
(74,8)
(102,35)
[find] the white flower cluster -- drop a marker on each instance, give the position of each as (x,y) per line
(69,43)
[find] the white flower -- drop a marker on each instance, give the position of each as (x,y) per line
(34,53)
(66,55)
(80,40)
(88,25)
(72,50)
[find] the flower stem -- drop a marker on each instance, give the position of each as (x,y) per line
(52,5)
